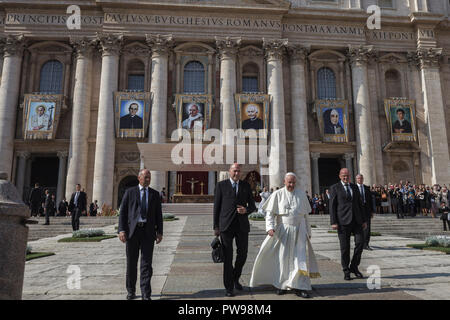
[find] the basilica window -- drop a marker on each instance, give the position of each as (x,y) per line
(194,77)
(326,84)
(136,76)
(51,78)
(250,83)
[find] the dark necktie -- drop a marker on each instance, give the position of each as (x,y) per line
(349,194)
(234,188)
(362,194)
(144,204)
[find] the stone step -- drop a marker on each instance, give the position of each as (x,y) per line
(188,208)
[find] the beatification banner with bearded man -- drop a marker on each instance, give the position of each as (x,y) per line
(132,114)
(41,115)
(193,111)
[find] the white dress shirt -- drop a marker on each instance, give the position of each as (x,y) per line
(349,187)
(141,195)
(237,185)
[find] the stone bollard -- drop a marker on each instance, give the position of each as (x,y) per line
(14,215)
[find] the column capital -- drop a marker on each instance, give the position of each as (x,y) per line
(349,156)
(228,47)
(413,59)
(160,44)
(83,46)
(360,55)
(110,44)
(429,58)
(13,45)
(23,154)
(62,154)
(275,48)
(298,53)
(315,155)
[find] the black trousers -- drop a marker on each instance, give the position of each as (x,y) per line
(140,241)
(76,213)
(446,223)
(230,273)
(367,231)
(47,216)
(344,234)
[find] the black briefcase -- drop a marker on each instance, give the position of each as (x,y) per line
(217,250)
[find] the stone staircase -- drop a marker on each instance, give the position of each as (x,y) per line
(188,208)
(388,224)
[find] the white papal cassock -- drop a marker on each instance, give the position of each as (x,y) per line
(286,260)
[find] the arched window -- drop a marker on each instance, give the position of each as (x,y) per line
(194,78)
(393,84)
(250,74)
(51,80)
(136,76)
(326,84)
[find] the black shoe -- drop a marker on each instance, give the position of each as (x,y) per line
(368,248)
(238,286)
(229,293)
(131,296)
(146,298)
(358,274)
(280,292)
(46,224)
(302,294)
(347,276)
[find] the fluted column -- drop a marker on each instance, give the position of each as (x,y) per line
(315,172)
(277,159)
(9,94)
(78,151)
(434,113)
(160,46)
(62,156)
(348,157)
(105,142)
(363,120)
(299,117)
(228,48)
(21,169)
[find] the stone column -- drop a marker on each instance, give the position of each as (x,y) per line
(78,151)
(21,169)
(228,48)
(160,46)
(348,157)
(62,156)
(363,120)
(211,182)
(9,94)
(315,172)
(277,159)
(299,117)
(434,113)
(105,142)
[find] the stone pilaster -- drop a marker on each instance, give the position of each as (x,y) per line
(228,49)
(62,156)
(160,46)
(21,170)
(363,120)
(315,172)
(81,110)
(348,157)
(110,46)
(275,50)
(299,116)
(9,95)
(429,60)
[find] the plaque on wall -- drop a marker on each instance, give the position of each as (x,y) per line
(252,112)
(132,114)
(41,115)
(400,115)
(332,115)
(193,111)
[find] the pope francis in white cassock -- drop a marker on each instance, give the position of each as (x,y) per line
(286,259)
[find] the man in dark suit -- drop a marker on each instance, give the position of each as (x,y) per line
(233,202)
(132,120)
(48,207)
(77,206)
(140,225)
(368,206)
(35,200)
(347,217)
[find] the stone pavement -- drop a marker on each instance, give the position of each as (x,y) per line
(183,268)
